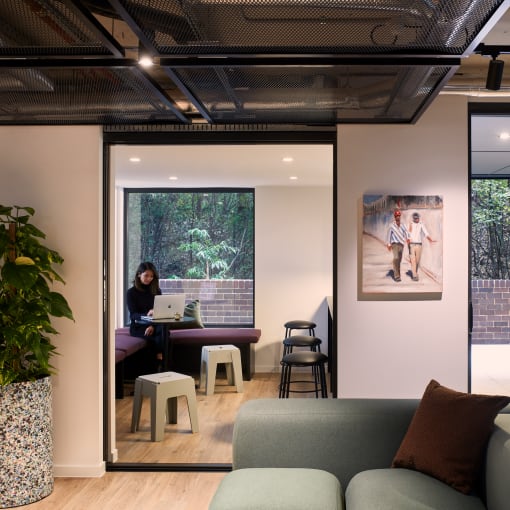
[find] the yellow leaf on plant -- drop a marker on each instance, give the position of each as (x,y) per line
(24,261)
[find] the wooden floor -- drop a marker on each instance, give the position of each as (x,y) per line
(165,490)
(216,415)
(132,491)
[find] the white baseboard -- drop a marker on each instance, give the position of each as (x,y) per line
(79,471)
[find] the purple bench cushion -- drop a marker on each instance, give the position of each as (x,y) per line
(127,343)
(119,355)
(216,336)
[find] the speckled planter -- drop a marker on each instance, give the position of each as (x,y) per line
(26,451)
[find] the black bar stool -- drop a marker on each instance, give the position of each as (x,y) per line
(312,342)
(316,361)
(309,325)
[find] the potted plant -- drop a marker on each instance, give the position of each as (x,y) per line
(27,304)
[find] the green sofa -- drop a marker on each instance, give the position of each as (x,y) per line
(354,439)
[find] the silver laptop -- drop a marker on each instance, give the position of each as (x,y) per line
(166,306)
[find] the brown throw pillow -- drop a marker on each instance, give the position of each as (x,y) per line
(448,435)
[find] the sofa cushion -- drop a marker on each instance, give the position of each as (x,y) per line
(403,489)
(497,464)
(192,310)
(278,489)
(448,435)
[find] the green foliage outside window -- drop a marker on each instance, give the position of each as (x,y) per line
(196,234)
(490,216)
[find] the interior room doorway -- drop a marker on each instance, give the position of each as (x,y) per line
(294,197)
(490,251)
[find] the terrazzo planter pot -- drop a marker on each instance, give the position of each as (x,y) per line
(26,451)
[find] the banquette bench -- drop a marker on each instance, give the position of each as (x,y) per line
(125,347)
(185,349)
(187,345)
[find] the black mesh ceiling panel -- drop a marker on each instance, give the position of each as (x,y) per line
(298,26)
(232,61)
(313,94)
(51,28)
(81,95)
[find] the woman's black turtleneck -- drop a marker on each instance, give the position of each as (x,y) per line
(139,302)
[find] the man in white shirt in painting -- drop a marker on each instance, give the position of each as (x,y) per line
(417,234)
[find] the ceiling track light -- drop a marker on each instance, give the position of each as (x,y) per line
(495,71)
(495,74)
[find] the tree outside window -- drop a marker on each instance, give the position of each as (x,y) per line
(205,235)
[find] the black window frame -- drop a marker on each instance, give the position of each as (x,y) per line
(128,277)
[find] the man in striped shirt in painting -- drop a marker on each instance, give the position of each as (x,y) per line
(398,237)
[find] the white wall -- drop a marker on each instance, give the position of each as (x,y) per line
(293,264)
(392,348)
(57,170)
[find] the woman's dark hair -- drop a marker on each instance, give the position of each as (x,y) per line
(147,266)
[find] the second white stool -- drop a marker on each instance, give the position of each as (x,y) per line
(163,389)
(214,354)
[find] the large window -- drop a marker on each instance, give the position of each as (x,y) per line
(201,241)
(490,229)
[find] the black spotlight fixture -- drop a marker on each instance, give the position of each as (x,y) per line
(495,73)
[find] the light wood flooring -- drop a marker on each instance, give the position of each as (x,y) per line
(165,490)
(216,415)
(132,491)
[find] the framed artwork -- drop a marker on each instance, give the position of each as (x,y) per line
(402,244)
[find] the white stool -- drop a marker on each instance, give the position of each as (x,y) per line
(163,389)
(214,354)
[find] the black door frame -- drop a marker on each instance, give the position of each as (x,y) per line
(474,109)
(136,136)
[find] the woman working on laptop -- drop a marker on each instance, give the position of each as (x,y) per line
(140,301)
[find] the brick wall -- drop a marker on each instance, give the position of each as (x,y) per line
(221,301)
(491,306)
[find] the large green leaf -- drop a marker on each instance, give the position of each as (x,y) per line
(19,276)
(27,300)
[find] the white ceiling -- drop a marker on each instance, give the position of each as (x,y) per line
(222,166)
(253,166)
(490,154)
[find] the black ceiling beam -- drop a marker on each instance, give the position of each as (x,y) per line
(133,25)
(101,33)
(311,60)
(191,97)
(161,94)
(67,62)
(492,50)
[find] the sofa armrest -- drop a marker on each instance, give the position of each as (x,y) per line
(342,436)
(498,465)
